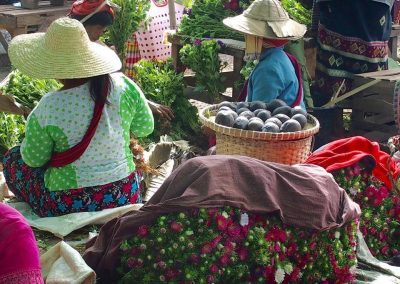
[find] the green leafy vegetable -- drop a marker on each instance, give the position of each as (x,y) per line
(202,57)
(297,11)
(161,84)
(12,128)
(28,91)
(205,21)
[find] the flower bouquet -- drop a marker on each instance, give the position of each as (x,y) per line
(229,245)
(380,219)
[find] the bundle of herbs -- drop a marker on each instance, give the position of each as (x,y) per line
(129,17)
(204,20)
(297,11)
(161,84)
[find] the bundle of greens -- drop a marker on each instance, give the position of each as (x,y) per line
(28,91)
(130,15)
(161,84)
(297,11)
(205,21)
(202,58)
(12,129)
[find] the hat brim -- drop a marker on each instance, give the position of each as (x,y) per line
(288,29)
(28,54)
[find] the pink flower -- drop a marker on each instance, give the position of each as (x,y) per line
(194,258)
(176,227)
(224,260)
(357,169)
(383,192)
(370,191)
(291,249)
(171,274)
(385,250)
(294,276)
(210,279)
(313,245)
(143,231)
(228,247)
(207,248)
(131,262)
(214,268)
(222,222)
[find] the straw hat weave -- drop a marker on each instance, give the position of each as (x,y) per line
(63,52)
(267,19)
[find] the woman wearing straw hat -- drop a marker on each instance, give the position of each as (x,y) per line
(75,156)
(267,29)
(96,16)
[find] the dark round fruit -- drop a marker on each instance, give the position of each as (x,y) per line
(264,114)
(257,111)
(255,125)
(298,109)
(272,105)
(270,127)
(282,110)
(275,120)
(301,119)
(256,105)
(224,108)
(231,105)
(282,117)
(242,105)
(291,126)
(241,123)
(240,110)
(248,114)
(224,118)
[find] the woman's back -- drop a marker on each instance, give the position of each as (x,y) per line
(60,121)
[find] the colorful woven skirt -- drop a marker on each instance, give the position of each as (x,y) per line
(352,39)
(28,185)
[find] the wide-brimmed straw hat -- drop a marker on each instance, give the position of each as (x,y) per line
(63,52)
(267,19)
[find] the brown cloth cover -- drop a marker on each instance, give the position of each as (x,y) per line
(303,195)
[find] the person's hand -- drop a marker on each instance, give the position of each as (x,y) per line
(161,110)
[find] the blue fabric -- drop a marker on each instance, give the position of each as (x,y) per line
(273,78)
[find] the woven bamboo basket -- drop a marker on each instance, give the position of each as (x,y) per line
(286,148)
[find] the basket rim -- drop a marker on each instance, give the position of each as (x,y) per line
(256,135)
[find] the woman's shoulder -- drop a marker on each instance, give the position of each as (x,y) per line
(121,81)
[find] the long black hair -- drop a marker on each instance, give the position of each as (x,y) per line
(96,87)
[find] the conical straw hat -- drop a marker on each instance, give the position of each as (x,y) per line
(268,19)
(63,52)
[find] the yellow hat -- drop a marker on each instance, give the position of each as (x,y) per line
(267,19)
(63,52)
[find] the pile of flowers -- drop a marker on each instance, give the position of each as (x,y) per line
(229,245)
(380,220)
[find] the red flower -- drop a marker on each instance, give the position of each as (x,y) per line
(377,201)
(207,248)
(171,274)
(276,234)
(222,222)
(291,249)
(234,231)
(242,253)
(215,241)
(143,231)
(224,260)
(210,279)
(294,276)
(176,227)
(214,268)
(370,191)
(228,247)
(383,192)
(385,250)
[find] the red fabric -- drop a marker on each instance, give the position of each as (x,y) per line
(71,155)
(86,7)
(19,254)
(297,69)
(345,152)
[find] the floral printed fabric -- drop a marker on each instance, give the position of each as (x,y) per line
(28,184)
